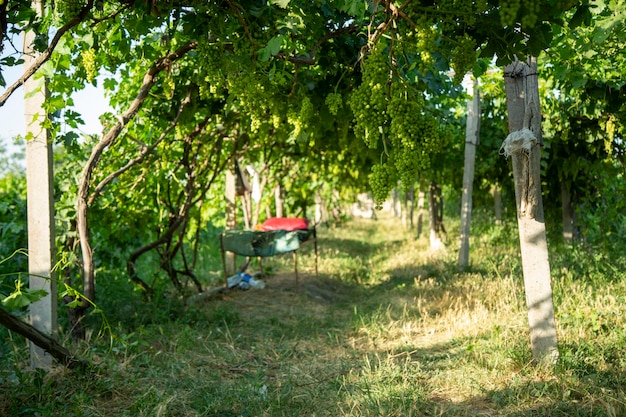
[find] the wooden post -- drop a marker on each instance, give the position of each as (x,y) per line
(472,129)
(497,203)
(279,201)
(40,201)
(231,219)
(420,207)
(524,147)
(315,247)
(412,206)
(567,214)
(318,208)
(435,208)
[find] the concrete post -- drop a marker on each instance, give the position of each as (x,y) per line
(231,218)
(40,202)
(524,147)
(471,140)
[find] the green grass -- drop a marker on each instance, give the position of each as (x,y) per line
(388,328)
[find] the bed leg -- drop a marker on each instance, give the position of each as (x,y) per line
(260,262)
(223,261)
(315,246)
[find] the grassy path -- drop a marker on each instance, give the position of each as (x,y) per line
(388,328)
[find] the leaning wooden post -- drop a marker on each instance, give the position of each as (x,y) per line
(40,202)
(523,145)
(471,140)
(231,218)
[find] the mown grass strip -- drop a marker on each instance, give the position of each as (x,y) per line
(388,328)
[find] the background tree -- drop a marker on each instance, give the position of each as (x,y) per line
(584,92)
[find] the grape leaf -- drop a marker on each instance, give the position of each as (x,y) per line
(281,3)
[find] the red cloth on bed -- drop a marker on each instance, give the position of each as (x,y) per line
(285,223)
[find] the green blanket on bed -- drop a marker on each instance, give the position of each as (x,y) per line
(264,244)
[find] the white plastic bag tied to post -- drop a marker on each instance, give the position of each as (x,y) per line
(256,183)
(520,140)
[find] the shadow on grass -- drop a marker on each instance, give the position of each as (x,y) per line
(353,247)
(309,347)
(287,351)
(525,392)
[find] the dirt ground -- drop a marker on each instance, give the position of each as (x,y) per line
(283,292)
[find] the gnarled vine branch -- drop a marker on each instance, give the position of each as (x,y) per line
(107,140)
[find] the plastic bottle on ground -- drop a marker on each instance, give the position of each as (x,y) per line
(248,281)
(234,280)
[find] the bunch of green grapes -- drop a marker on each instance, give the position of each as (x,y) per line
(253,97)
(369,100)
(405,133)
(609,128)
(447,13)
(532,9)
(408,163)
(437,145)
(276,121)
(89,64)
(306,110)
(300,120)
(168,87)
(334,103)
(431,133)
(381,180)
(426,36)
(508,11)
(481,6)
(68,9)
(463,56)
(464,8)
(294,120)
(212,63)
(403,112)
